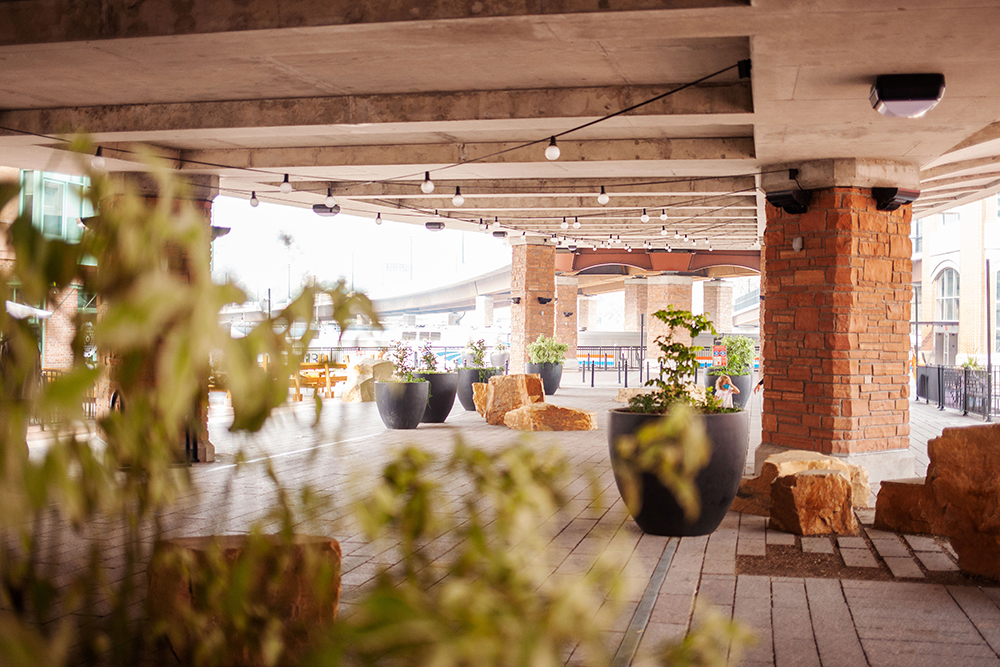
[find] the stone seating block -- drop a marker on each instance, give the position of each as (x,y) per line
(548,417)
(509,392)
(907,506)
(299,582)
(361,378)
(479,397)
(813,502)
(625,394)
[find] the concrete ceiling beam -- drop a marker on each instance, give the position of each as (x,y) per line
(437,110)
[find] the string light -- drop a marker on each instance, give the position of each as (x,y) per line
(98,162)
(253,199)
(330,201)
(564,224)
(663,231)
(286,187)
(458,199)
(552,151)
(645,216)
(576,223)
(663,214)
(427,186)
(677,234)
(603,198)
(378,218)
(668,248)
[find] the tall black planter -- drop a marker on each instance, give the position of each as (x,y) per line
(401,404)
(441,397)
(551,375)
(717,483)
(466,377)
(743,382)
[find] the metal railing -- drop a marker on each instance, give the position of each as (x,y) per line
(89,397)
(748,300)
(971,390)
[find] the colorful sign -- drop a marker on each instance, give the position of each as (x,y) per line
(719,355)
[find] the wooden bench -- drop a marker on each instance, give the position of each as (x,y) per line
(318,376)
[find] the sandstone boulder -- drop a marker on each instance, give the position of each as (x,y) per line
(907,506)
(813,502)
(509,392)
(964,480)
(625,394)
(361,378)
(548,417)
(754,495)
(479,397)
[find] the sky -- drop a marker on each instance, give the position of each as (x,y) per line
(279,247)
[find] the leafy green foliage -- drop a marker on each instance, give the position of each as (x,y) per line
(546,350)
(478,350)
(401,357)
(739,356)
(428,359)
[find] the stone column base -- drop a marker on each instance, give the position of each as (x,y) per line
(891,464)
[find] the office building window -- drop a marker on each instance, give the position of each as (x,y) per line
(946,290)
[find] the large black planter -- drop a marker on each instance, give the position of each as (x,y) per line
(466,377)
(743,382)
(717,483)
(401,405)
(551,375)
(441,397)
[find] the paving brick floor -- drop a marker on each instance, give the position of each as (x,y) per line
(797,620)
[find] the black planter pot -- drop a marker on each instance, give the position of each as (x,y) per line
(401,404)
(743,382)
(551,375)
(717,483)
(441,396)
(466,377)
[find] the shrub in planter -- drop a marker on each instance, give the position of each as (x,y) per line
(474,371)
(443,386)
(739,367)
(663,425)
(545,357)
(401,400)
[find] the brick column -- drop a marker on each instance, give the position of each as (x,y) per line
(532,277)
(636,301)
(566,315)
(60,329)
(586,313)
(663,291)
(718,304)
(835,319)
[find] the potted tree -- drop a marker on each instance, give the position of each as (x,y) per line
(475,370)
(545,357)
(443,386)
(653,505)
(402,399)
(739,367)
(500,354)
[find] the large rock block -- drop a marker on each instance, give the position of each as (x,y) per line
(548,417)
(625,394)
(188,578)
(509,392)
(964,479)
(907,506)
(754,495)
(361,378)
(479,397)
(813,502)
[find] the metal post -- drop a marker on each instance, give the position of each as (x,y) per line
(625,367)
(618,365)
(965,391)
(592,364)
(940,387)
(989,348)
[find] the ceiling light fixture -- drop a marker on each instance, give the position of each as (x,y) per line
(253,199)
(326,211)
(889,199)
(427,186)
(500,234)
(434,225)
(603,198)
(98,162)
(552,151)
(458,199)
(906,95)
(794,202)
(286,187)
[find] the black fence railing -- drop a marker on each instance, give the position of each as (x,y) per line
(89,397)
(971,390)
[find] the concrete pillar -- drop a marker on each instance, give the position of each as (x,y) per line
(484,311)
(410,320)
(718,304)
(200,192)
(586,313)
(533,292)
(454,319)
(663,291)
(566,315)
(835,319)
(636,300)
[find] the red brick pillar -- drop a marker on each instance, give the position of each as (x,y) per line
(636,302)
(662,292)
(533,292)
(835,319)
(566,314)
(60,329)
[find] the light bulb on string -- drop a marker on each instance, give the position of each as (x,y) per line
(458,199)
(603,198)
(677,234)
(330,201)
(668,248)
(253,199)
(663,214)
(628,247)
(576,223)
(552,151)
(564,224)
(98,162)
(663,231)
(645,216)
(427,186)
(286,187)
(378,218)
(710,247)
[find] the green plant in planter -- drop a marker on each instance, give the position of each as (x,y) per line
(428,360)
(500,346)
(401,357)
(478,350)
(547,350)
(739,356)
(678,364)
